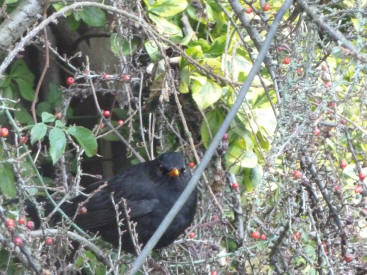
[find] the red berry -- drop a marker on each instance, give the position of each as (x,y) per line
(263,237)
(344,122)
(325,248)
(49,241)
(120,122)
(297,174)
(248,10)
(101,126)
(17,241)
(21,220)
(106,76)
(214,217)
(192,235)
(299,71)
(126,77)
(30,225)
(362,176)
(83,210)
(225,136)
(255,235)
(337,189)
(10,223)
(214,272)
(343,164)
(106,113)
(358,189)
(4,132)
(286,60)
(297,236)
(235,186)
(266,7)
(70,80)
(348,258)
(316,131)
(327,84)
(191,164)
(86,72)
(331,104)
(23,139)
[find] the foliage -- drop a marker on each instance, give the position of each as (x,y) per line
(277,171)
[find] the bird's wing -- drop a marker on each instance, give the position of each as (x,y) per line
(101,211)
(141,208)
(132,186)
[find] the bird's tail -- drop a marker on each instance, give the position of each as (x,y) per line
(33,211)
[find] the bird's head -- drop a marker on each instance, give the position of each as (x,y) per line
(171,164)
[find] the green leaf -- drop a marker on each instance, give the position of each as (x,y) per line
(217,48)
(166,27)
(238,157)
(25,88)
(184,80)
(38,132)
(152,50)
(205,95)
(195,51)
(202,43)
(59,124)
(47,117)
(252,177)
(43,107)
(213,63)
(237,67)
(7,182)
(94,17)
(72,21)
(54,96)
(167,8)
(122,47)
(85,138)
(22,114)
(265,117)
(215,119)
(20,70)
(262,139)
(57,144)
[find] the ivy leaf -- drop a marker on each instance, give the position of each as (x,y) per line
(38,132)
(166,27)
(167,8)
(237,157)
(206,95)
(252,177)
(94,17)
(85,138)
(152,50)
(184,80)
(7,183)
(57,144)
(47,117)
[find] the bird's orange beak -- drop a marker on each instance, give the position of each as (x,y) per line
(174,173)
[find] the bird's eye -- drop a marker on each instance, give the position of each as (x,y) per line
(183,170)
(162,169)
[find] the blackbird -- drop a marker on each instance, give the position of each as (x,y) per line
(145,191)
